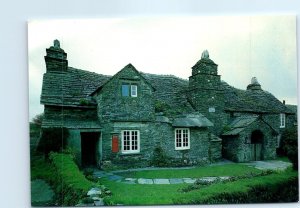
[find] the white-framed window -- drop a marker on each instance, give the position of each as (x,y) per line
(282,120)
(133,90)
(129,90)
(130,141)
(182,138)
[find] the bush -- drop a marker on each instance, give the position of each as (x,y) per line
(70,183)
(290,145)
(53,139)
(265,189)
(284,192)
(159,158)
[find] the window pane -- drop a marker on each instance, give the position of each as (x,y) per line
(126,140)
(125,90)
(134,90)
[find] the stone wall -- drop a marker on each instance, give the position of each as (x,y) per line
(74,142)
(210,103)
(156,134)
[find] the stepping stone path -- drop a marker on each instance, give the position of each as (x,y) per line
(189,180)
(144,181)
(117,178)
(161,181)
(176,180)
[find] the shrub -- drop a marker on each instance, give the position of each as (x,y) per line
(265,189)
(53,139)
(159,158)
(290,145)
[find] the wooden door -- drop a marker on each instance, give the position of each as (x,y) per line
(256,152)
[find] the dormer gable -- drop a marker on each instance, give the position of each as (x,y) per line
(129,74)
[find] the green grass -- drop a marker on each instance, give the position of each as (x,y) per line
(137,194)
(283,158)
(222,170)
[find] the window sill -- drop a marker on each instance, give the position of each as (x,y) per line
(182,149)
(130,153)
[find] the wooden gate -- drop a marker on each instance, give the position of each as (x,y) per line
(256,151)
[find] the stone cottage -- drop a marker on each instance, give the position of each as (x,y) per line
(121,119)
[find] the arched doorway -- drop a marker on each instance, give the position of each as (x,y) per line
(257,139)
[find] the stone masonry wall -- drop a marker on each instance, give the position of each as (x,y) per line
(153,135)
(239,148)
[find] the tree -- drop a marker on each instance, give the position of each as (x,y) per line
(53,139)
(38,119)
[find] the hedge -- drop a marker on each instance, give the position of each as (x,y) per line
(277,187)
(71,185)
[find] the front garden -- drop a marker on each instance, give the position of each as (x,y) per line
(70,185)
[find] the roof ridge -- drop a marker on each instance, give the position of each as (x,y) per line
(164,75)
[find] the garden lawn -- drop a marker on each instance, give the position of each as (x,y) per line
(218,170)
(138,194)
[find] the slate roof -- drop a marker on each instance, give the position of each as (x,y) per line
(252,101)
(292,108)
(171,90)
(72,87)
(192,120)
(239,124)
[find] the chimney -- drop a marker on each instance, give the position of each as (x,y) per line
(254,84)
(56,58)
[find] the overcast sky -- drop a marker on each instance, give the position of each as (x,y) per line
(243,47)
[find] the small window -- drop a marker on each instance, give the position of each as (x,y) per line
(182,139)
(282,120)
(130,141)
(133,90)
(125,90)
(129,90)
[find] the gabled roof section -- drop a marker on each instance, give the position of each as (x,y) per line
(127,67)
(70,88)
(240,123)
(256,101)
(192,120)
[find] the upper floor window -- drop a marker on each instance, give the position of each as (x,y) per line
(125,89)
(130,141)
(182,139)
(282,120)
(129,90)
